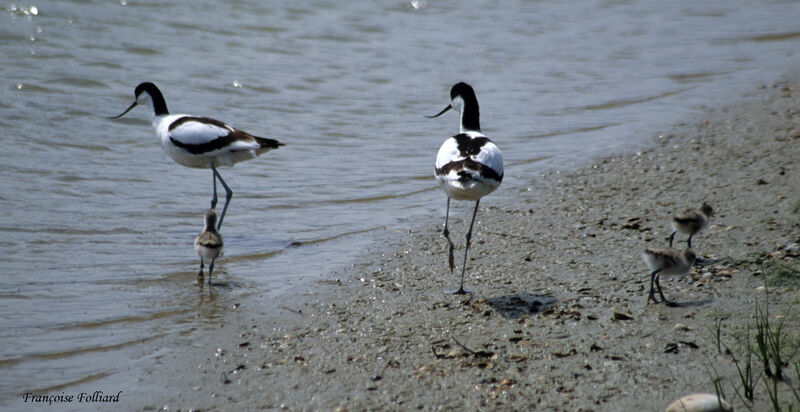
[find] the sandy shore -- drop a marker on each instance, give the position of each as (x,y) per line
(559,318)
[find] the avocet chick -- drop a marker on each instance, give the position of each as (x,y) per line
(691,221)
(208,244)
(667,262)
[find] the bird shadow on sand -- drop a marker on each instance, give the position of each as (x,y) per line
(694,303)
(520,304)
(703,262)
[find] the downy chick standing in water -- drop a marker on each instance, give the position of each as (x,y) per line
(208,244)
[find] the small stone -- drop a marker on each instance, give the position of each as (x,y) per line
(455,353)
(622,315)
(518,358)
(681,327)
(671,347)
(699,402)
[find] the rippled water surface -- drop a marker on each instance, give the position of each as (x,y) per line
(97,269)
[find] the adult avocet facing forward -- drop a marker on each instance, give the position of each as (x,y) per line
(469,166)
(200,142)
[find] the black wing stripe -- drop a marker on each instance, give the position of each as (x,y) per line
(215,144)
(484,171)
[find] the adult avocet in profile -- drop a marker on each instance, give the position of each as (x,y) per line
(200,142)
(468,166)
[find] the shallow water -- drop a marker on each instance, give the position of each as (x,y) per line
(97,224)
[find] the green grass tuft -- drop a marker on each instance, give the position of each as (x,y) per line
(781,273)
(795,207)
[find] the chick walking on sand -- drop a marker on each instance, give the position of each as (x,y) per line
(691,221)
(208,244)
(667,262)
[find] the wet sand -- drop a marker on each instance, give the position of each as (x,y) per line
(559,319)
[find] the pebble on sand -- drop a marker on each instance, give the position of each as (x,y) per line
(699,402)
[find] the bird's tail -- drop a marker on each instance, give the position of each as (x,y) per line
(265,143)
(649,257)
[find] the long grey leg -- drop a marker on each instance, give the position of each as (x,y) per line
(461,289)
(689,242)
(214,185)
(672,237)
(228,194)
(210,270)
(651,295)
(446,234)
(664,299)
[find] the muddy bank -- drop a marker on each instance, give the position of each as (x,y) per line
(559,318)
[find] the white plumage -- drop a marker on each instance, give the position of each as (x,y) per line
(475,187)
(198,133)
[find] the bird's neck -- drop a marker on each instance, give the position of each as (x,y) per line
(157,103)
(470,117)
